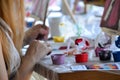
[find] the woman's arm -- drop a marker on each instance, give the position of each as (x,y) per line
(3,71)
(34,53)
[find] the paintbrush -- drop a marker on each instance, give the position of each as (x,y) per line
(40,36)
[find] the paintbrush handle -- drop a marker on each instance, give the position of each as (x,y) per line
(40,36)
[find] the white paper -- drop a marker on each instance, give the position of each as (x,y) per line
(78,67)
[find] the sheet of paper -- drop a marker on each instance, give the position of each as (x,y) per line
(78,67)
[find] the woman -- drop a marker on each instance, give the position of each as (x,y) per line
(14,66)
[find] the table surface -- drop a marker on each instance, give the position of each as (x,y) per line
(64,71)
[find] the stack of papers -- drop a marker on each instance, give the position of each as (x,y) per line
(104,66)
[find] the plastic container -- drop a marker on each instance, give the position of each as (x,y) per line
(80,58)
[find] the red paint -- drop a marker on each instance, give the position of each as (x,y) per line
(78,41)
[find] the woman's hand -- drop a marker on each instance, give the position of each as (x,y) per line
(37,50)
(33,33)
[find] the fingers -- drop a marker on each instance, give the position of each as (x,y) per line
(43,32)
(37,32)
(39,48)
(41,26)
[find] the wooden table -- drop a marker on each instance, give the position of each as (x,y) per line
(63,72)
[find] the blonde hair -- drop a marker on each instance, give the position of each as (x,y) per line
(12,12)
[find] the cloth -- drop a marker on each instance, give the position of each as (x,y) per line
(14,55)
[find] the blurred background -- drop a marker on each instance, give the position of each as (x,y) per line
(70,17)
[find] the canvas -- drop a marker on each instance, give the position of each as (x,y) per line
(111,15)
